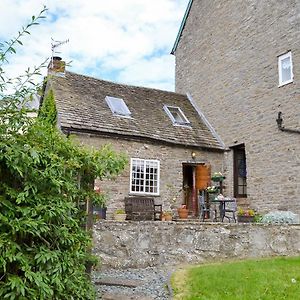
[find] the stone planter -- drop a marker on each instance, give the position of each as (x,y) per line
(120,217)
(245,219)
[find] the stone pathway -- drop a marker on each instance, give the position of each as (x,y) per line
(133,284)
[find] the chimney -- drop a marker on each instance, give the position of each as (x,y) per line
(56,66)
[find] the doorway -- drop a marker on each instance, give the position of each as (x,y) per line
(196,178)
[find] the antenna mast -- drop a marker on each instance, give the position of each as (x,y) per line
(54,45)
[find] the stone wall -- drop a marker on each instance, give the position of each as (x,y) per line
(227,60)
(142,244)
(171,159)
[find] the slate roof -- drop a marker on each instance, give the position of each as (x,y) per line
(81,106)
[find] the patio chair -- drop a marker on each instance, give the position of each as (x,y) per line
(230,207)
(203,207)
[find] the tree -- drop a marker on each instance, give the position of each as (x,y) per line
(45,180)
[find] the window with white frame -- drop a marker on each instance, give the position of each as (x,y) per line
(118,106)
(144,176)
(285,68)
(176,115)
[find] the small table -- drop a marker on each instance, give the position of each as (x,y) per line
(222,206)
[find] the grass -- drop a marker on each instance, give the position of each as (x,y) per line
(265,279)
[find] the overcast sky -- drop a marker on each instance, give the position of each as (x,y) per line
(127,41)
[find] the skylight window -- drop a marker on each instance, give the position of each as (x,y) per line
(118,106)
(176,115)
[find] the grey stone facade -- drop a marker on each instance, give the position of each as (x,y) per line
(171,177)
(142,244)
(227,60)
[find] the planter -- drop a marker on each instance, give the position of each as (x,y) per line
(183,213)
(120,217)
(168,218)
(245,219)
(99,212)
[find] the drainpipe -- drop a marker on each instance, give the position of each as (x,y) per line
(279,121)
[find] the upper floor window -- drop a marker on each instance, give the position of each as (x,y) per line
(176,115)
(285,68)
(118,106)
(144,176)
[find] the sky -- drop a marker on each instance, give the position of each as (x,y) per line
(125,41)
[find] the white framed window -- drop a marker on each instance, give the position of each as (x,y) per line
(118,106)
(144,176)
(176,115)
(285,68)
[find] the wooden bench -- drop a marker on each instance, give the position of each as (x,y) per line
(142,209)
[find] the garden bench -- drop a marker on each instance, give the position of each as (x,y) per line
(139,208)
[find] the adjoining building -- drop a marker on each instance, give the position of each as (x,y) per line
(240,61)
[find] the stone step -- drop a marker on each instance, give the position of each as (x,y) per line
(111,296)
(112,281)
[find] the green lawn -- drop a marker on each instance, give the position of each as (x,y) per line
(265,279)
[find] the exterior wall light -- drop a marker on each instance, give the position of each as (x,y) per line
(193,154)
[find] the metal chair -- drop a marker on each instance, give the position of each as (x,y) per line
(229,207)
(204,207)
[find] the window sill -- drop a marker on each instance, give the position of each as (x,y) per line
(285,83)
(143,194)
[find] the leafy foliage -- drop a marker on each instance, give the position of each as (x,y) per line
(48,111)
(280,217)
(45,181)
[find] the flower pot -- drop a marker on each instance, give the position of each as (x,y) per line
(120,217)
(245,219)
(99,212)
(183,213)
(168,218)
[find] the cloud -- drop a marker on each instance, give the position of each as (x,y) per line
(120,40)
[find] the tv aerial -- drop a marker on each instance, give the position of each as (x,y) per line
(54,45)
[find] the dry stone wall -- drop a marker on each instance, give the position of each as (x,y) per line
(141,244)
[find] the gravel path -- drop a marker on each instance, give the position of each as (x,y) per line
(154,282)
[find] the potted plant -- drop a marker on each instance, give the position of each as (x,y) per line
(217,177)
(245,215)
(167,216)
(212,189)
(183,212)
(120,215)
(99,203)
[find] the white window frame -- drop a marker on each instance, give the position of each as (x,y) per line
(170,115)
(280,59)
(126,112)
(144,162)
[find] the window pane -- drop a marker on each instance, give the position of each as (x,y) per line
(176,115)
(286,69)
(144,174)
(117,106)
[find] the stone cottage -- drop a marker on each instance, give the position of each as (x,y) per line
(164,135)
(240,62)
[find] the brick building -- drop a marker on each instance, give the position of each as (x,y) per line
(240,61)
(158,130)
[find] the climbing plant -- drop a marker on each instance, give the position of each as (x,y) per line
(45,180)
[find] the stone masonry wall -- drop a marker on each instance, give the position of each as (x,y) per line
(227,60)
(171,177)
(142,244)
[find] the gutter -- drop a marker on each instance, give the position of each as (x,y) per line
(279,121)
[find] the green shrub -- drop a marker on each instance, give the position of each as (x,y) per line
(44,180)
